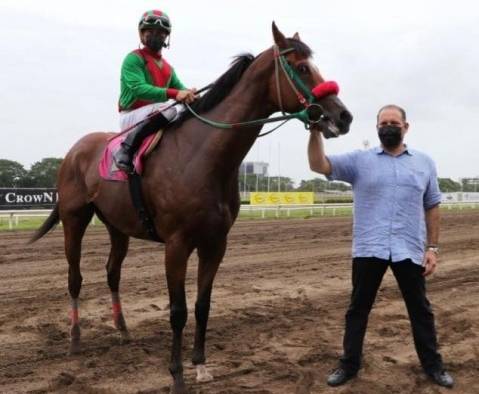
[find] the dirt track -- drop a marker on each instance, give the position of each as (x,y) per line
(276,321)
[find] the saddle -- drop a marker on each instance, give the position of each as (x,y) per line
(110,172)
(107,168)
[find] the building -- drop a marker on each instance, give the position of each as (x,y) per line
(254,168)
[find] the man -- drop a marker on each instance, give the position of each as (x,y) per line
(147,82)
(396,224)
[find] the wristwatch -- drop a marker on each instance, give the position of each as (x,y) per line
(433,248)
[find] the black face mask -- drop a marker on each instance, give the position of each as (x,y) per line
(390,136)
(154,42)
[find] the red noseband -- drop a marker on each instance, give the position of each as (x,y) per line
(325,89)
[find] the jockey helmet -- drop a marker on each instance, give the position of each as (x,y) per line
(155,19)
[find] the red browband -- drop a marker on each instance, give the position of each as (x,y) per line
(325,89)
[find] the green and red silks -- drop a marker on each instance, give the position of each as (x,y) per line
(160,76)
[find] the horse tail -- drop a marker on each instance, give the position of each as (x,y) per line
(47,225)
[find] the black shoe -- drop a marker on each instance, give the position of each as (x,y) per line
(339,376)
(442,378)
(123,159)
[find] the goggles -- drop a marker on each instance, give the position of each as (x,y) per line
(155,21)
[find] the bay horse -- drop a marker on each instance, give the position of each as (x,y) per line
(190,185)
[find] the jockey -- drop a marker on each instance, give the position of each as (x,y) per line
(147,83)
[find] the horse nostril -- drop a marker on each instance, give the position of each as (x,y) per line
(346,117)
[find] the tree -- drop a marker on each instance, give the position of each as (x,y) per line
(260,183)
(12,173)
(341,186)
(285,184)
(313,185)
(44,172)
(320,185)
(470,184)
(447,185)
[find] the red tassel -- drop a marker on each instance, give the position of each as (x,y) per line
(325,89)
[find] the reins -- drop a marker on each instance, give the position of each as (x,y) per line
(312,113)
(154,113)
(307,115)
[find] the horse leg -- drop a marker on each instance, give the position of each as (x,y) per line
(176,257)
(119,248)
(74,226)
(210,257)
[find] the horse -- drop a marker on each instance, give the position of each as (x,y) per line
(190,185)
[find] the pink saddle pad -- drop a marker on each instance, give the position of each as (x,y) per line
(107,167)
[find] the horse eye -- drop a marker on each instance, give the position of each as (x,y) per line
(303,69)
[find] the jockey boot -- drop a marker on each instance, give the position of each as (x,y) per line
(123,158)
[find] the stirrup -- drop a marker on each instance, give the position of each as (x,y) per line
(130,170)
(127,167)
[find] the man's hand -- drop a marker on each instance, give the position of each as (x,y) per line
(186,96)
(429,263)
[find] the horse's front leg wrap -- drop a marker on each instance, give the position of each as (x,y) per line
(75,327)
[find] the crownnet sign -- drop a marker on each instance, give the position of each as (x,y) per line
(27,198)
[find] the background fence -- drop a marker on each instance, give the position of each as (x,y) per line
(13,218)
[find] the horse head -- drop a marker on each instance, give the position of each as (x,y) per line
(297,85)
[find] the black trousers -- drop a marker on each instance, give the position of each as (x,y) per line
(367,275)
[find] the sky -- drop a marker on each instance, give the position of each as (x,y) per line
(60,68)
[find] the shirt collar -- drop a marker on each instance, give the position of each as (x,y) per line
(379,150)
(154,54)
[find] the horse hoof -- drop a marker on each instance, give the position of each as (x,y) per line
(125,337)
(120,322)
(75,347)
(178,389)
(202,374)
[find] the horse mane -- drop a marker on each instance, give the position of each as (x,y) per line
(221,87)
(224,84)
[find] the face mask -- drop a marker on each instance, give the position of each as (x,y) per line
(390,136)
(154,42)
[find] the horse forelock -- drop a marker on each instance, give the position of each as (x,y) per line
(221,87)
(300,47)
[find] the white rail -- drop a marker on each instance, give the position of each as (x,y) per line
(288,209)
(13,216)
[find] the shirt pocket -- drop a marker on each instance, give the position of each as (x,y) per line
(374,179)
(414,179)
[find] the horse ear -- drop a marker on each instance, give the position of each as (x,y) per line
(279,38)
(296,36)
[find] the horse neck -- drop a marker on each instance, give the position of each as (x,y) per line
(247,101)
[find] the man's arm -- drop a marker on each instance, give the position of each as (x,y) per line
(318,161)
(432,227)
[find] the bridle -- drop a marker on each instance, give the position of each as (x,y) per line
(296,84)
(312,113)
